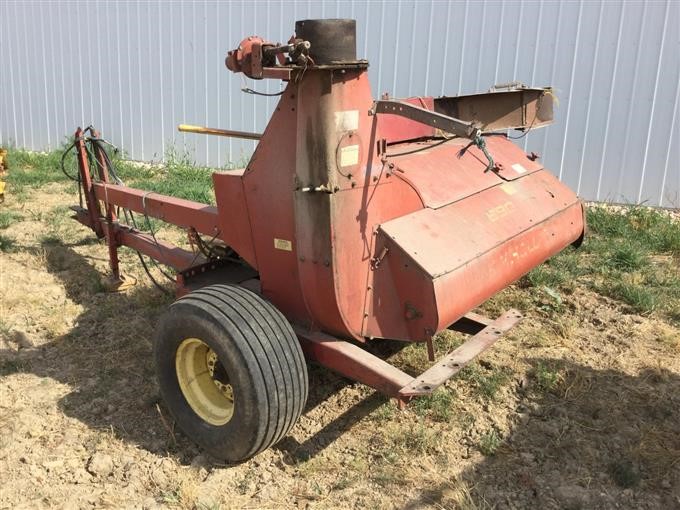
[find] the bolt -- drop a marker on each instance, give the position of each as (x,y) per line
(354,184)
(391,165)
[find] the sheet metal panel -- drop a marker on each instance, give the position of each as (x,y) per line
(136,70)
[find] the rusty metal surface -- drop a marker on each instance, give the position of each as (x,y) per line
(162,251)
(454,362)
(443,175)
(211,272)
(394,128)
(268,187)
(442,240)
(352,361)
(233,217)
(352,238)
(444,262)
(93,209)
(177,211)
(434,119)
(519,108)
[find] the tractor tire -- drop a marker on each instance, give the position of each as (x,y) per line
(231,371)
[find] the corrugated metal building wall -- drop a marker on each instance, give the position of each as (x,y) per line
(137,69)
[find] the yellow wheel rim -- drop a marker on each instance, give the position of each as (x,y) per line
(204,382)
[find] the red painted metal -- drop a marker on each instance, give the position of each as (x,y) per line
(93,209)
(362,226)
(180,212)
(451,364)
(353,362)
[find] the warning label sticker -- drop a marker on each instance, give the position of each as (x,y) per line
(283,244)
(349,155)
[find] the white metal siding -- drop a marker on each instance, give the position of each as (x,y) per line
(137,69)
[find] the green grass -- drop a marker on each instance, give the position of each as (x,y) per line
(8,217)
(631,255)
(438,406)
(644,227)
(547,377)
(489,442)
(641,298)
(35,169)
(384,413)
(486,383)
(420,438)
(7,244)
(177,176)
(627,257)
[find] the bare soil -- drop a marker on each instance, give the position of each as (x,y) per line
(578,407)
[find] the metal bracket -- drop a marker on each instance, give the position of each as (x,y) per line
(429,118)
(457,359)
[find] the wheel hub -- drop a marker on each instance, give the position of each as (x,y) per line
(219,375)
(204,381)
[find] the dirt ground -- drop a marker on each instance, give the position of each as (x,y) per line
(578,407)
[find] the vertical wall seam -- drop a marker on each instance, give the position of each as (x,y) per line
(28,84)
(129,70)
(676,107)
(586,127)
(525,140)
(55,107)
(44,74)
(139,79)
(481,45)
(518,38)
(462,48)
(121,135)
(629,116)
(396,51)
(611,101)
(205,89)
(412,53)
(498,46)
(11,80)
(571,87)
(653,107)
(428,53)
(160,79)
(446,49)
(552,66)
(380,50)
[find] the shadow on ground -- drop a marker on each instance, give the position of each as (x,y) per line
(107,359)
(593,439)
(589,438)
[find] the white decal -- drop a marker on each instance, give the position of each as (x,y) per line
(349,155)
(347,120)
(283,244)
